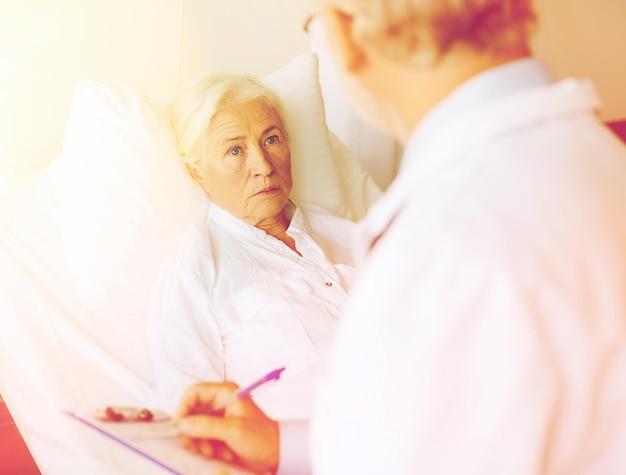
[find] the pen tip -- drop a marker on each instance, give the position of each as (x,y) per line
(276,373)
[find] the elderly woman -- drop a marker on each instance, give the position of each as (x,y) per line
(259,282)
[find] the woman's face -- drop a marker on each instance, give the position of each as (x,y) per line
(248,166)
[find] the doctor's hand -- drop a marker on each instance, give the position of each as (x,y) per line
(240,434)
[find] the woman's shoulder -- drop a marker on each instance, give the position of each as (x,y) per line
(193,246)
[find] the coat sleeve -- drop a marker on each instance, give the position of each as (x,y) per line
(295,456)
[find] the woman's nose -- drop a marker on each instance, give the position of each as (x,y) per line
(260,162)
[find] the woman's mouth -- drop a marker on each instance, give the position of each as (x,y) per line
(267,191)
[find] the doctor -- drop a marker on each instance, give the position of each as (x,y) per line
(487,333)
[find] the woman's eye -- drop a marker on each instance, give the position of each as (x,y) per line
(234,151)
(271,140)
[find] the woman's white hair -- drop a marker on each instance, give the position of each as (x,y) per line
(422,31)
(193,109)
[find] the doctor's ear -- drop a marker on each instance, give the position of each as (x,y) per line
(339,32)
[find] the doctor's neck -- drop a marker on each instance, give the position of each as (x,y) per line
(405,93)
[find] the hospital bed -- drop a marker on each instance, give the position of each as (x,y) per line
(82,239)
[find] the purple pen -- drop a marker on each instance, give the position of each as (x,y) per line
(271,376)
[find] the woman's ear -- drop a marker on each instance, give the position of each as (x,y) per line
(338,27)
(196,175)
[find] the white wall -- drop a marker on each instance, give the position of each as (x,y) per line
(241,36)
(48,46)
(587,39)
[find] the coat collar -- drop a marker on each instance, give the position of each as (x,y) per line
(438,153)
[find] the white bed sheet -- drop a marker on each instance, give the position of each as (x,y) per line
(53,355)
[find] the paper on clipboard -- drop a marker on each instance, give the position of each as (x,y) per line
(156,441)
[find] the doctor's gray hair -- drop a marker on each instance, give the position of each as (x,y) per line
(193,109)
(423,31)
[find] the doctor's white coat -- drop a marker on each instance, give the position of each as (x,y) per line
(487,334)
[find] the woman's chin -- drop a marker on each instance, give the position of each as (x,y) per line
(269,208)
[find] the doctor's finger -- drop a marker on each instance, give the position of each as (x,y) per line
(205,448)
(202,397)
(223,452)
(213,449)
(228,430)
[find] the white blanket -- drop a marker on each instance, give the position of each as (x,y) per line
(54,356)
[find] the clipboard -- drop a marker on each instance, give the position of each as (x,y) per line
(157,441)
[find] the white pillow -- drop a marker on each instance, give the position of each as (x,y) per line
(126,195)
(315,177)
(360,190)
